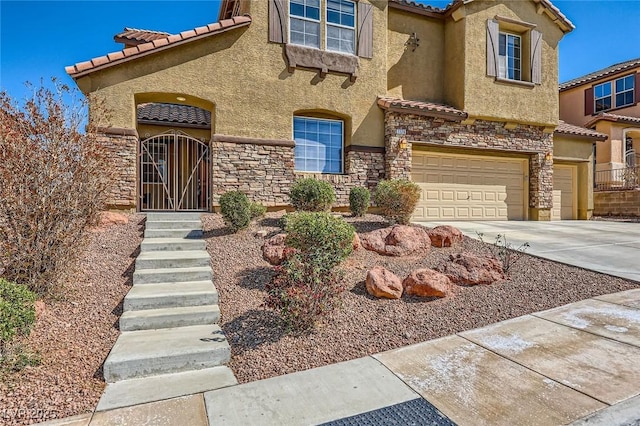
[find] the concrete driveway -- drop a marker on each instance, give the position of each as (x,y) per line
(609,247)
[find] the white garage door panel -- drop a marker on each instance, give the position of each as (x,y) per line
(465,187)
(564,192)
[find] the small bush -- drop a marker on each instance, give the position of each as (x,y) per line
(17,312)
(359,198)
(256,210)
(235,209)
(504,251)
(397,199)
(312,195)
(309,284)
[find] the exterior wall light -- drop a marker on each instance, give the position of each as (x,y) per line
(548,156)
(181,98)
(403,144)
(413,42)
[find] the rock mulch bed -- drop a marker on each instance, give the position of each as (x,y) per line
(365,325)
(74,333)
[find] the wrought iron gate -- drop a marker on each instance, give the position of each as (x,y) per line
(174,173)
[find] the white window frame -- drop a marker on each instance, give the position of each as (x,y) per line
(304,18)
(596,99)
(327,24)
(342,125)
(616,93)
(506,56)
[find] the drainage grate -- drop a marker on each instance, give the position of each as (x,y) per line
(417,412)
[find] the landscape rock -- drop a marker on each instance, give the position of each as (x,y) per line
(260,233)
(397,240)
(445,236)
(356,241)
(40,308)
(383,283)
(113,218)
(273,249)
(427,283)
(471,269)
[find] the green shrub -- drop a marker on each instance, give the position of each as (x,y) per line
(359,198)
(309,284)
(256,210)
(397,199)
(17,312)
(312,195)
(236,210)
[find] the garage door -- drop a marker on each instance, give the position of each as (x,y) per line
(469,187)
(565,200)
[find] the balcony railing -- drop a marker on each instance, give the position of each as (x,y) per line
(618,179)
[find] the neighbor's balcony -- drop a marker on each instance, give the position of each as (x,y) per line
(624,179)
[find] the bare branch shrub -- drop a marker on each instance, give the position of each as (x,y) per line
(54,180)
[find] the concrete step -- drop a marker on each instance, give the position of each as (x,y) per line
(177,216)
(171,244)
(173,233)
(154,319)
(172,275)
(169,259)
(149,389)
(172,350)
(170,295)
(173,224)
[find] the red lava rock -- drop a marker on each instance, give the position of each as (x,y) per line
(427,283)
(356,241)
(113,218)
(40,308)
(273,249)
(383,283)
(445,236)
(397,240)
(471,269)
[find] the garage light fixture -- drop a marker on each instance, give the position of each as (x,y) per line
(181,98)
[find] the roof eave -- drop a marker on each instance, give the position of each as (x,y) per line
(599,137)
(416,9)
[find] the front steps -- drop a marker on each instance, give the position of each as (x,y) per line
(170,343)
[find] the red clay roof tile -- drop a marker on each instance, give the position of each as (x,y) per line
(162,113)
(133,36)
(427,108)
(613,117)
(570,129)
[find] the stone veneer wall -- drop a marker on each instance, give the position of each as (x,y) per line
(487,135)
(616,203)
(264,170)
(122,145)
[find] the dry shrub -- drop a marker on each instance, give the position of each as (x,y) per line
(54,180)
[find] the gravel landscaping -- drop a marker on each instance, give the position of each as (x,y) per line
(74,332)
(261,348)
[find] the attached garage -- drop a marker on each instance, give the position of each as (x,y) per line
(565,192)
(469,187)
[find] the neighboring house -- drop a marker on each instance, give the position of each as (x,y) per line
(462,100)
(607,101)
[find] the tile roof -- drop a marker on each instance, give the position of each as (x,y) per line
(134,36)
(613,117)
(613,69)
(569,129)
(161,113)
(101,62)
(420,6)
(420,107)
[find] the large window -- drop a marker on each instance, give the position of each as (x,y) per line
(305,22)
(341,26)
(602,96)
(318,145)
(624,91)
(510,56)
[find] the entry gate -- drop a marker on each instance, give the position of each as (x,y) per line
(174,173)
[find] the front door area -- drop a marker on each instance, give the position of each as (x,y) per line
(174,173)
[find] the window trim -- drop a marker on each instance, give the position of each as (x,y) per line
(595,98)
(304,18)
(615,92)
(520,69)
(354,28)
(342,149)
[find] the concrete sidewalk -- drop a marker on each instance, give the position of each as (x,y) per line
(609,247)
(576,364)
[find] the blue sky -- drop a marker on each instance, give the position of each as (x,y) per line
(39,38)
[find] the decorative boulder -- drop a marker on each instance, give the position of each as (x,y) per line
(445,236)
(397,240)
(427,283)
(273,250)
(113,218)
(356,241)
(383,283)
(469,269)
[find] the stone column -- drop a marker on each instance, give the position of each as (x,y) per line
(397,161)
(122,146)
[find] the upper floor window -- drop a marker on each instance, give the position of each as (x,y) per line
(305,22)
(510,56)
(341,26)
(319,144)
(624,91)
(602,96)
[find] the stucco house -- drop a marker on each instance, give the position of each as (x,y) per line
(607,101)
(462,100)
